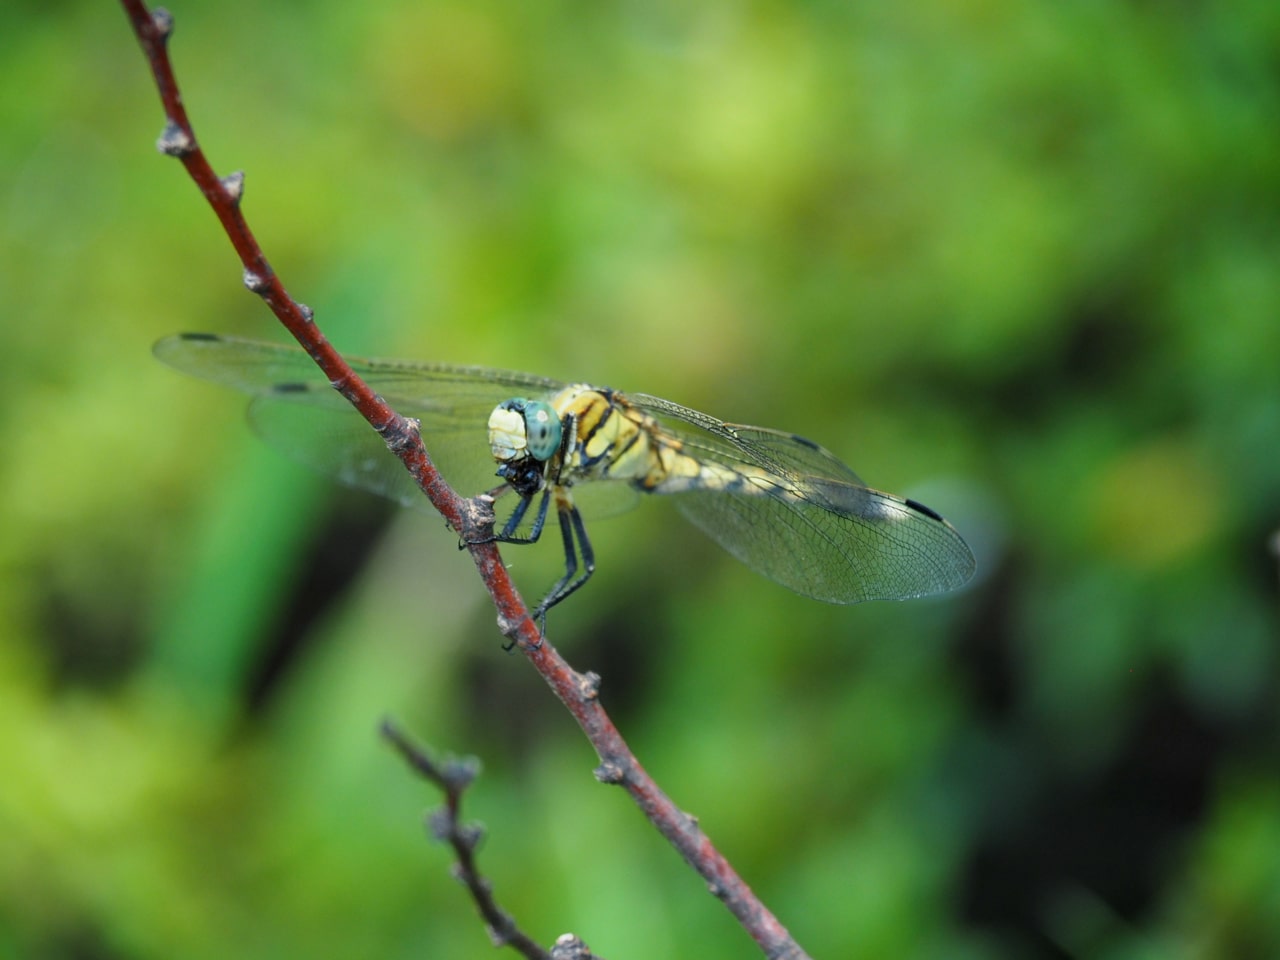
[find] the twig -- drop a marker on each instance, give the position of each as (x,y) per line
(472,519)
(452,777)
(223,195)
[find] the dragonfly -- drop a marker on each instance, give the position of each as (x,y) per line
(784,506)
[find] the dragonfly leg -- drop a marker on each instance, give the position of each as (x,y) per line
(574,534)
(508,532)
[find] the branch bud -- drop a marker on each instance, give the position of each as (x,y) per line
(233,183)
(162,20)
(609,772)
(255,282)
(174,141)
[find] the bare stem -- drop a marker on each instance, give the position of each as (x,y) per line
(468,517)
(452,777)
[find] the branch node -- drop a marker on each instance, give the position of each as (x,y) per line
(399,433)
(497,937)
(509,627)
(308,314)
(610,772)
(589,685)
(440,825)
(255,282)
(477,519)
(174,141)
(469,835)
(233,183)
(162,20)
(459,772)
(569,947)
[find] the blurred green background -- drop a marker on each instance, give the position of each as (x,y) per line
(1018,260)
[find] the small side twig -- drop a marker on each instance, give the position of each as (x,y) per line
(618,765)
(452,777)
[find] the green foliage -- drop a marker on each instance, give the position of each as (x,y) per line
(1017,260)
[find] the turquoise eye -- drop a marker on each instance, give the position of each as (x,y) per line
(543,429)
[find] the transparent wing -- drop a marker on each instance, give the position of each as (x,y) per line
(441,391)
(295,410)
(786,454)
(336,441)
(871,546)
(806,520)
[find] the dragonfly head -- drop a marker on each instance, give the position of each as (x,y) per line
(524,435)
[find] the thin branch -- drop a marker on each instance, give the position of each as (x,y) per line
(452,777)
(223,195)
(472,519)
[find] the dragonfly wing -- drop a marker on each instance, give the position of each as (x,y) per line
(807,521)
(254,367)
(297,411)
(339,443)
(839,542)
(245,365)
(780,453)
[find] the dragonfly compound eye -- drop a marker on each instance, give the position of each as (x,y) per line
(543,429)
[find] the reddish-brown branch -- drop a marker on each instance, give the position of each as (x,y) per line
(470,518)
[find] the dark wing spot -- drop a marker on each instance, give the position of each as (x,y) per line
(293,387)
(805,442)
(921,508)
(200,337)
